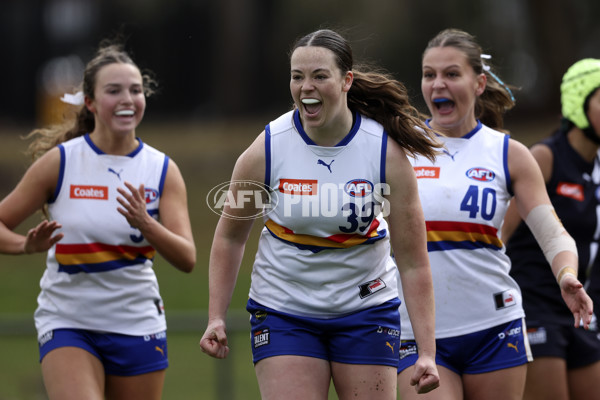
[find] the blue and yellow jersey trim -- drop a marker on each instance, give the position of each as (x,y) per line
(316,244)
(99,257)
(451,235)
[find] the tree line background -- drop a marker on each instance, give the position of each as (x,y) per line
(223,73)
(229,58)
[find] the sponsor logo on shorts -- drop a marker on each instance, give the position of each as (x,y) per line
(389,331)
(391,346)
(510,333)
(89,192)
(427,172)
(261,338)
(537,335)
(407,348)
(371,287)
(513,346)
(572,190)
(160,349)
(260,315)
(504,299)
(45,338)
(156,336)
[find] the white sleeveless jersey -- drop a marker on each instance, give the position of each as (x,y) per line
(324,250)
(99,276)
(464,195)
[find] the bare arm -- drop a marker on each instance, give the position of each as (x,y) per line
(31,193)
(227,251)
(543,155)
(409,242)
(172,236)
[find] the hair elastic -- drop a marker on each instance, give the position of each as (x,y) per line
(489,70)
(76,99)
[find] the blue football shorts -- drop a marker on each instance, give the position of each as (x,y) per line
(370,336)
(579,347)
(121,355)
(502,346)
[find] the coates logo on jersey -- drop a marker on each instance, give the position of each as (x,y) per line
(358,188)
(480,174)
(151,195)
(89,192)
(571,190)
(302,187)
(427,172)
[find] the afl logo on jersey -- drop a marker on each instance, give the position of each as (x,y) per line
(151,195)
(481,174)
(358,188)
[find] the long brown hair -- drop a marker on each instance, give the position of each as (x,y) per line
(377,95)
(82,121)
(497,98)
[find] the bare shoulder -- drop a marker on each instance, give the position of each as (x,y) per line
(45,170)
(396,158)
(250,165)
(545,158)
(520,158)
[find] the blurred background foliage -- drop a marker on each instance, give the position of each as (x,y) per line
(228,58)
(223,73)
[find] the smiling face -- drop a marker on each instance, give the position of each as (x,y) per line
(119,102)
(450,89)
(319,89)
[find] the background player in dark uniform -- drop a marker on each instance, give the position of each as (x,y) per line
(566,359)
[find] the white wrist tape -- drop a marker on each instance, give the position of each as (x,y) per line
(548,231)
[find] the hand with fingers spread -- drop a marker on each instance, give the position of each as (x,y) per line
(577,300)
(133,204)
(40,238)
(214,340)
(101,274)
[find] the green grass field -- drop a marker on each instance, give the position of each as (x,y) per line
(205,154)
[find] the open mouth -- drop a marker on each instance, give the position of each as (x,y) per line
(443,104)
(312,106)
(125,113)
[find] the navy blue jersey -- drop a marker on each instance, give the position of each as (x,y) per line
(574,191)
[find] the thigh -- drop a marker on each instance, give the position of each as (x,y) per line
(146,386)
(450,386)
(293,378)
(546,379)
(583,382)
(502,384)
(72,373)
(359,381)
